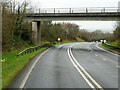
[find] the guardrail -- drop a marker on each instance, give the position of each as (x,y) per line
(112,45)
(29,50)
(77,10)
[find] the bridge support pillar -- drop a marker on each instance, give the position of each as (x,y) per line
(36,32)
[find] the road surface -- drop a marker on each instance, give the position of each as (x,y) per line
(71,65)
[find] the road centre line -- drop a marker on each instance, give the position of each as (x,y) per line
(70,53)
(27,75)
(80,71)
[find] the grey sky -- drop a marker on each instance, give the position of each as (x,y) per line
(89,25)
(105,26)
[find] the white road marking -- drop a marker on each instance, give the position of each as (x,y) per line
(106,50)
(83,70)
(80,72)
(104,59)
(27,75)
(118,66)
(96,55)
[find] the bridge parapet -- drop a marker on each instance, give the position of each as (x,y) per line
(78,10)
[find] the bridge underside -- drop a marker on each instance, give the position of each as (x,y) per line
(36,19)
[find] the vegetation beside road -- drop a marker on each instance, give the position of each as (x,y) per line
(112,48)
(12,64)
(116,43)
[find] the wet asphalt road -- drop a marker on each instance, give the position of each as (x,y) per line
(54,69)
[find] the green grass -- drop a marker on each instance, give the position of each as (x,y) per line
(114,43)
(13,64)
(68,42)
(112,48)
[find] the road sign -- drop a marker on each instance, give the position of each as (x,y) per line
(59,39)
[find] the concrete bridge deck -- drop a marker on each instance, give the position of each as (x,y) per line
(107,16)
(84,14)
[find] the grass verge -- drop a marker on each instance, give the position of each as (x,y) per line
(12,64)
(68,42)
(112,48)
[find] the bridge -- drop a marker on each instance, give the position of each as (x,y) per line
(76,14)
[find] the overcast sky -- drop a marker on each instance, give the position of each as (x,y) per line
(106,26)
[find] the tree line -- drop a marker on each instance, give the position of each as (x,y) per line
(68,31)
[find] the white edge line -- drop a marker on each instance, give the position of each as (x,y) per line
(27,75)
(106,50)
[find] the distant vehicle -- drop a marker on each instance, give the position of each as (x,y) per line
(103,41)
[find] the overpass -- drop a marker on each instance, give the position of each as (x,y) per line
(64,14)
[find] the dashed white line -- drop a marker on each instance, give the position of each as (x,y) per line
(96,55)
(104,59)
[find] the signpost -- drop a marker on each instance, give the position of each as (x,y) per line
(59,40)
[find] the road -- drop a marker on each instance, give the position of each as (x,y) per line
(71,65)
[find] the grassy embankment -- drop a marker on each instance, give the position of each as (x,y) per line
(12,64)
(112,48)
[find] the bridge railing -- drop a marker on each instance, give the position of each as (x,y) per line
(78,10)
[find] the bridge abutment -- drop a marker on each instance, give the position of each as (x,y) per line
(36,32)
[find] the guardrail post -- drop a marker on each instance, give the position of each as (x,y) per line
(103,9)
(54,10)
(36,10)
(58,11)
(86,10)
(45,11)
(70,10)
(39,10)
